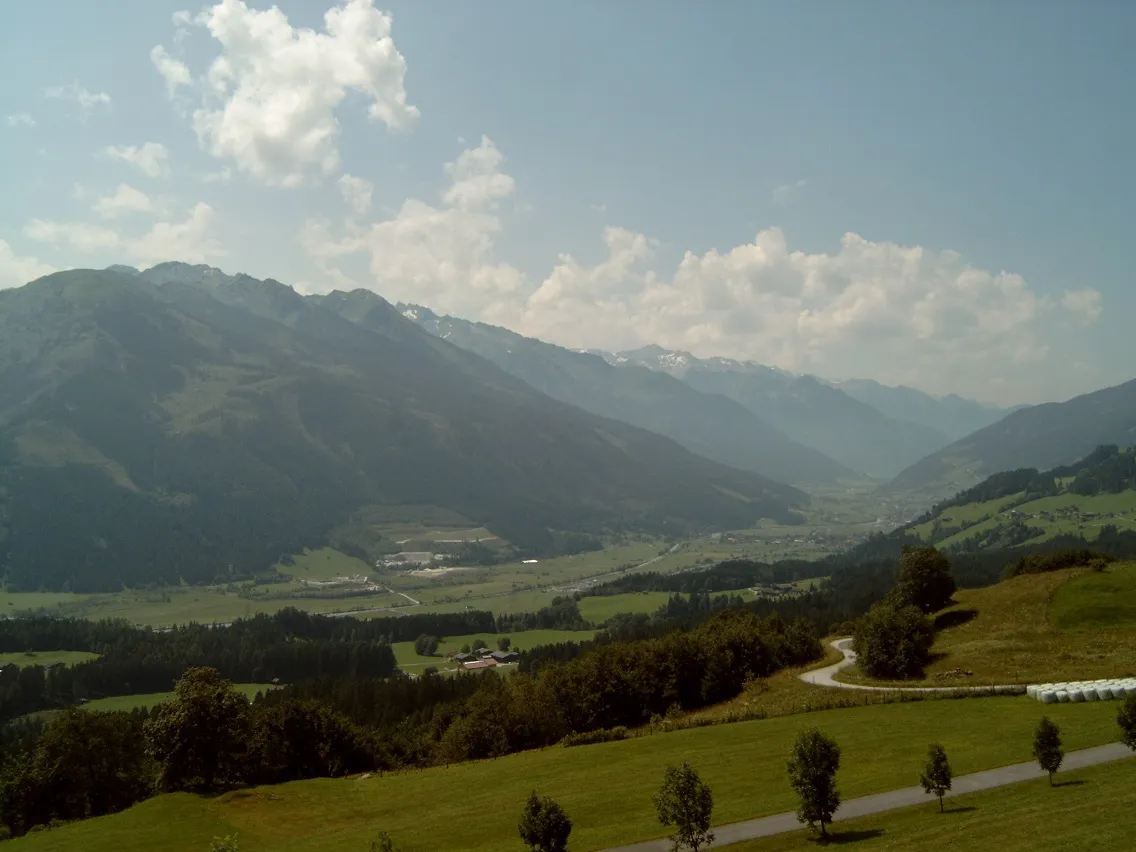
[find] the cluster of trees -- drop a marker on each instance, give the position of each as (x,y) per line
(597,685)
(285,647)
(1040,563)
(563,613)
(727,576)
(84,764)
(894,638)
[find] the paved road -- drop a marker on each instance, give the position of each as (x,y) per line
(881,802)
(825,677)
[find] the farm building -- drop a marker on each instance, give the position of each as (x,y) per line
(487,663)
(505,656)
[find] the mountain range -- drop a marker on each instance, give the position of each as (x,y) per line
(181,424)
(799,429)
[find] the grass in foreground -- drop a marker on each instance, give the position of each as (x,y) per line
(606,789)
(1027,630)
(1093,808)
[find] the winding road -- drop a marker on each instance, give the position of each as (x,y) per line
(826,677)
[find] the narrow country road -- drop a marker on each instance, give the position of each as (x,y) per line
(782,823)
(826,677)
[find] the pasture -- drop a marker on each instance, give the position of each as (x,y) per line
(605,788)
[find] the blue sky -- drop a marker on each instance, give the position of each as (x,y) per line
(927,193)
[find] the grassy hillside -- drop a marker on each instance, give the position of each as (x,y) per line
(606,788)
(1091,808)
(1041,437)
(1072,624)
(185,425)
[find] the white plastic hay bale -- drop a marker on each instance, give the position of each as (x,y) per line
(1090,693)
(1076,695)
(1104,692)
(1031,690)
(1047,696)
(1119,690)
(1062,695)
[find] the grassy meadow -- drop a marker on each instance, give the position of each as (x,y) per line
(1092,808)
(408,658)
(47,658)
(152,699)
(1072,624)
(605,788)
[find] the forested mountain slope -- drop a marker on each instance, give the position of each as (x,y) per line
(711,425)
(182,424)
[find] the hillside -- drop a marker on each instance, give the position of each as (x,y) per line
(1042,437)
(709,424)
(183,424)
(805,408)
(1066,625)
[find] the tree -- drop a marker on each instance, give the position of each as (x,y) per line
(685,803)
(937,775)
(478,644)
(1126,718)
(199,739)
(383,843)
(1047,747)
(812,775)
(504,644)
(426,646)
(925,579)
(465,648)
(894,642)
(544,826)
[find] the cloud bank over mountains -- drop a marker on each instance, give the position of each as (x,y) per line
(266,111)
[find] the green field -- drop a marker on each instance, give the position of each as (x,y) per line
(1095,601)
(406,656)
(151,699)
(47,658)
(606,789)
(1092,809)
(599,608)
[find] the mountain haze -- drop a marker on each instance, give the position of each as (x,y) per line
(805,408)
(1041,437)
(951,415)
(708,424)
(183,424)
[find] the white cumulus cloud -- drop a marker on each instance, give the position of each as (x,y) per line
(80,236)
(356,192)
(126,200)
(268,102)
(15,271)
(150,158)
(19,119)
(1085,305)
(190,240)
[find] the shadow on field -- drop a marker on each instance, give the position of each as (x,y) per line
(963,810)
(1075,782)
(955,618)
(849,837)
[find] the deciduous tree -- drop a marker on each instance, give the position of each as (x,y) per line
(812,775)
(544,827)
(936,777)
(894,641)
(925,579)
(504,643)
(426,645)
(200,738)
(685,803)
(1047,747)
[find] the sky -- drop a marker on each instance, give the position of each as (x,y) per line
(934,194)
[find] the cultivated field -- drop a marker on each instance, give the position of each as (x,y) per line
(1065,625)
(1092,808)
(606,788)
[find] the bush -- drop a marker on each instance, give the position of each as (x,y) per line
(604,735)
(894,642)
